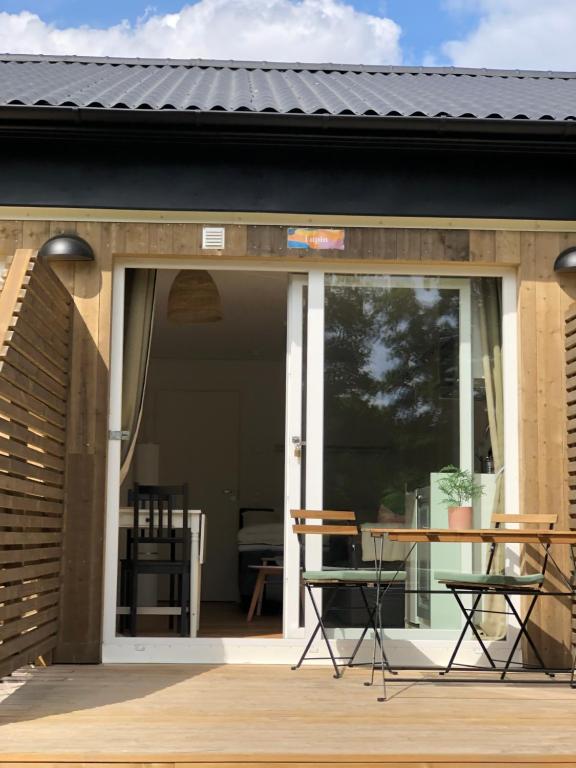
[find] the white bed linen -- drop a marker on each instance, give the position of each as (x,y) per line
(270,534)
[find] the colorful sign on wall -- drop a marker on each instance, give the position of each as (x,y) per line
(317,239)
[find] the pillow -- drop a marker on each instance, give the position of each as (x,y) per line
(260,517)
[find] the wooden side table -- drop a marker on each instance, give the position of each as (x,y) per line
(264,571)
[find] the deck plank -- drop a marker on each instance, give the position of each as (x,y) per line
(270,716)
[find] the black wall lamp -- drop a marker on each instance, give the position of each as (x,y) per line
(566,262)
(66,248)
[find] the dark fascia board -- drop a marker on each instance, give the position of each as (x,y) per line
(97,117)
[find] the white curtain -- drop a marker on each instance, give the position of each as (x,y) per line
(138,321)
(488,297)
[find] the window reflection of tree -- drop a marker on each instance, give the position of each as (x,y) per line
(391,393)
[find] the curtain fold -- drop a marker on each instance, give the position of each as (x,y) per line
(139,304)
(489,313)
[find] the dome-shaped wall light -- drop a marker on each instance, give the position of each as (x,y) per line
(566,262)
(193,298)
(66,248)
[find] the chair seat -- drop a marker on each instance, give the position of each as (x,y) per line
(353,576)
(489,579)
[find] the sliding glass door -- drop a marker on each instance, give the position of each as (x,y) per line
(394,378)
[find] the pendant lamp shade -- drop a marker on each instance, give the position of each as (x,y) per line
(193,298)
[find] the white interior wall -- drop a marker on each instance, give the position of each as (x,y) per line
(259,387)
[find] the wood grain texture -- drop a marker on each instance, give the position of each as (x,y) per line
(33,399)
(81,598)
(366,244)
(542,301)
(189,714)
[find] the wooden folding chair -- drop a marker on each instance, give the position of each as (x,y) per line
(337,523)
(481,584)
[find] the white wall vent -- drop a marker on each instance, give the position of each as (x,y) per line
(213,238)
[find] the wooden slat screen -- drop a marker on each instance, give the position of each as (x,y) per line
(35,324)
(570,340)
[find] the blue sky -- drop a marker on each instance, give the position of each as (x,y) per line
(425,24)
(509,34)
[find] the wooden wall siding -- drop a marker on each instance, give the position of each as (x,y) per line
(270,242)
(366,243)
(542,301)
(35,316)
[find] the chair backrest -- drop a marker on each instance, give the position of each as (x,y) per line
(547,520)
(157,503)
(333,523)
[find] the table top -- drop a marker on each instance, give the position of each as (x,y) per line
(476,535)
(126,517)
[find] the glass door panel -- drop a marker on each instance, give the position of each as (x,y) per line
(397,409)
(390,379)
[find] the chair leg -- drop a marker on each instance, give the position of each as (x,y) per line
(307,647)
(468,624)
(523,631)
(172,579)
(184,603)
(370,624)
(318,628)
(171,599)
(184,581)
(133,602)
(178,601)
(323,630)
(123,599)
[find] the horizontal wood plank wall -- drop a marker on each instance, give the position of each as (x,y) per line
(35,316)
(542,302)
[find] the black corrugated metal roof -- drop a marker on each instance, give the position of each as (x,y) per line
(300,89)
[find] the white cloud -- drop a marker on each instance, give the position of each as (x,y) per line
(274,30)
(525,34)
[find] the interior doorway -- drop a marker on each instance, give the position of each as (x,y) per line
(213,416)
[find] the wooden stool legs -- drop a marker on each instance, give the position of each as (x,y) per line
(264,571)
(257,595)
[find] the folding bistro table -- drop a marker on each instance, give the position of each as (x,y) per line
(413,536)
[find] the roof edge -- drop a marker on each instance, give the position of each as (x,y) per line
(26,119)
(287,66)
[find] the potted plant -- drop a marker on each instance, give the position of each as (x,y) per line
(459,491)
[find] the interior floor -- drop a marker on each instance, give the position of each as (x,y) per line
(218,620)
(229,620)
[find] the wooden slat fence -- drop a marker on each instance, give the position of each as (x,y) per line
(35,325)
(570,341)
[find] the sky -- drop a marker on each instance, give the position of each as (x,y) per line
(511,34)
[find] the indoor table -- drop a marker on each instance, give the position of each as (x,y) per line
(197,525)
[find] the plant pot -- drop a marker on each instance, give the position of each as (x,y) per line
(460,518)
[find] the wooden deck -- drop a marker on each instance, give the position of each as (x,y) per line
(270,716)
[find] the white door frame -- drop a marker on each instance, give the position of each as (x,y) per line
(293,444)
(258,650)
